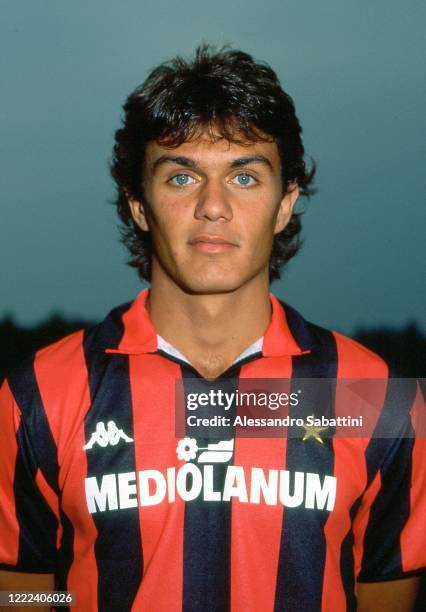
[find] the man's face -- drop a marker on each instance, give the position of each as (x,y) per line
(212,208)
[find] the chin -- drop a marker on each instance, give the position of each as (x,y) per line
(210,281)
(214,281)
(209,287)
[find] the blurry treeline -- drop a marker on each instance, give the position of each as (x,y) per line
(403,349)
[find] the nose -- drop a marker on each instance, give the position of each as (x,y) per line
(213,203)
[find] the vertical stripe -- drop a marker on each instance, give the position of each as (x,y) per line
(37,523)
(413,553)
(9,526)
(207,531)
(360,514)
(153,392)
(299,584)
(393,457)
(118,546)
(346,565)
(66,558)
(23,384)
(256,528)
(36,450)
(301,330)
(62,379)
(354,361)
(110,332)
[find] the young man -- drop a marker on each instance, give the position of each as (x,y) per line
(100,493)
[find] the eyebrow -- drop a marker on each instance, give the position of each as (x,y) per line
(251,159)
(169,159)
(187,162)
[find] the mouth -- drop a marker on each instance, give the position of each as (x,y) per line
(210,243)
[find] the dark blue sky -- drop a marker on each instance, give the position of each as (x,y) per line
(356,73)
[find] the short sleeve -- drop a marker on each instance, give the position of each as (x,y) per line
(28,520)
(393,514)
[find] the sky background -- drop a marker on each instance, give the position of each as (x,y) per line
(356,73)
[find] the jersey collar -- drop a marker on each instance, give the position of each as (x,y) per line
(288,332)
(128,330)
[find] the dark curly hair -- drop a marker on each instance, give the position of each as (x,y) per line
(226,92)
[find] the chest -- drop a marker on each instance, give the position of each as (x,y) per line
(129,454)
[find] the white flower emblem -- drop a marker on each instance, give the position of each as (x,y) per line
(187,449)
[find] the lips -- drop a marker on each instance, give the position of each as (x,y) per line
(210,238)
(211,243)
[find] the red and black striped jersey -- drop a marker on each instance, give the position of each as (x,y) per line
(96,487)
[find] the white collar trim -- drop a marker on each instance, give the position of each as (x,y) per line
(166,347)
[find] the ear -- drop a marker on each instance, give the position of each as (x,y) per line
(286,207)
(137,210)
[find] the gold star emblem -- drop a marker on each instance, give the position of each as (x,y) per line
(313,431)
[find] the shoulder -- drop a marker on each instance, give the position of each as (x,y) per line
(66,359)
(352,359)
(56,376)
(356,360)
(55,356)
(54,369)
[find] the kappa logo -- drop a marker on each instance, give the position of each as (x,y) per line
(220,452)
(105,436)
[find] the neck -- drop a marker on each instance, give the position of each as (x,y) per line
(211,330)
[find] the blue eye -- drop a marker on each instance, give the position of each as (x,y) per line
(181,180)
(244,179)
